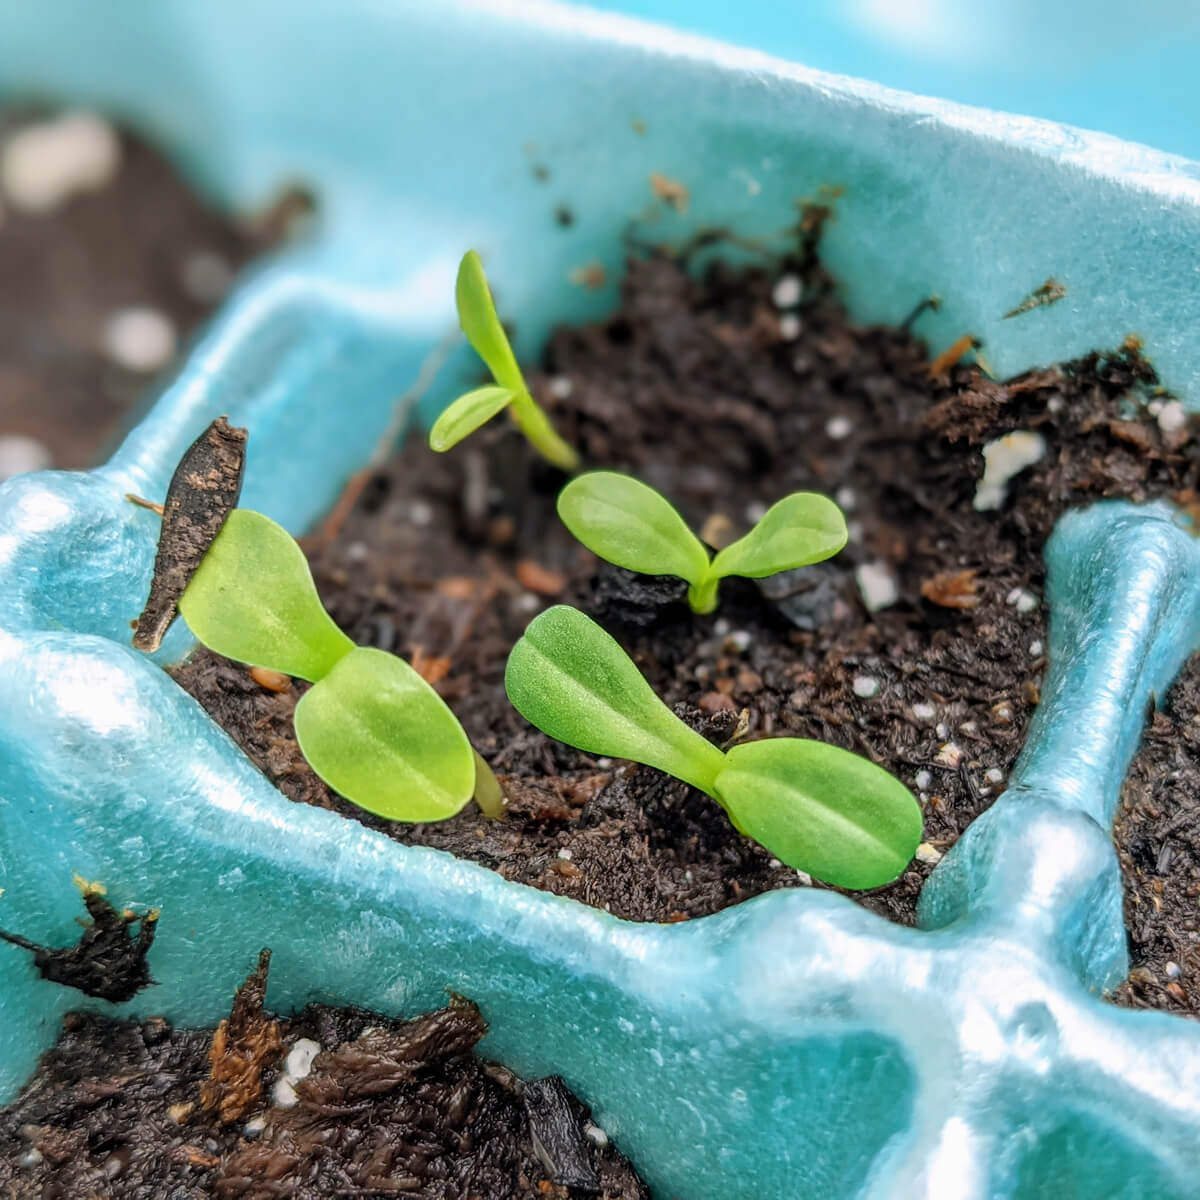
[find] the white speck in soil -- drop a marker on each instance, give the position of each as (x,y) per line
(839,427)
(357,552)
(866,686)
(565,854)
(787,291)
(1173,417)
(741,639)
(721,627)
(1023,600)
(595,1134)
(1172,969)
(561,387)
(969,727)
(296,1067)
(139,339)
(924,711)
(949,755)
(845,498)
(1003,459)
(928,853)
(877,585)
(420,512)
(528,602)
(255,1125)
(1036,648)
(923,780)
(804,878)
(789,327)
(20,454)
(754,511)
(44,164)
(994,775)
(942,730)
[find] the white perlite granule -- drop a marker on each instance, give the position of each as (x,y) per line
(46,163)
(1003,459)
(787,291)
(139,339)
(877,585)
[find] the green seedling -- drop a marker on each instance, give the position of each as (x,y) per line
(370,726)
(633,526)
(817,808)
(477,316)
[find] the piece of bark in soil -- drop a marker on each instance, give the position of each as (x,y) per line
(243,1045)
(108,961)
(202,493)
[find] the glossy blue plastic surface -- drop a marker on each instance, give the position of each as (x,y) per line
(793,1045)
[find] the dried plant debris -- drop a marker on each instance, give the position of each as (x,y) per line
(1049,293)
(109,960)
(387,1108)
(203,491)
(243,1045)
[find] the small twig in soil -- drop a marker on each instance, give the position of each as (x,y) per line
(929,304)
(142,502)
(203,491)
(952,354)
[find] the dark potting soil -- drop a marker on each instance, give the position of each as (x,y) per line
(129,1110)
(141,240)
(726,393)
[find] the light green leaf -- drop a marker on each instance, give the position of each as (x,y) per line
(253,599)
(467,414)
(477,316)
(822,810)
(631,525)
(376,732)
(571,680)
(800,529)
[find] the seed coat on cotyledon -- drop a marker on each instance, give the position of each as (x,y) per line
(203,491)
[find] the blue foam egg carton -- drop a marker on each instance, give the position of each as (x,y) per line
(795,1044)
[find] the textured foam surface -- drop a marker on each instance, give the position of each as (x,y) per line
(795,1044)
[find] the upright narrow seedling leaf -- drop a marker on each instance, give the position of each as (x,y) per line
(800,529)
(629,524)
(571,680)
(253,599)
(821,809)
(477,316)
(376,732)
(467,414)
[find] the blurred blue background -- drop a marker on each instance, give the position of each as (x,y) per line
(1130,69)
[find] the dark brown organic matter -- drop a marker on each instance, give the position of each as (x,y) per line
(108,961)
(202,493)
(389,1108)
